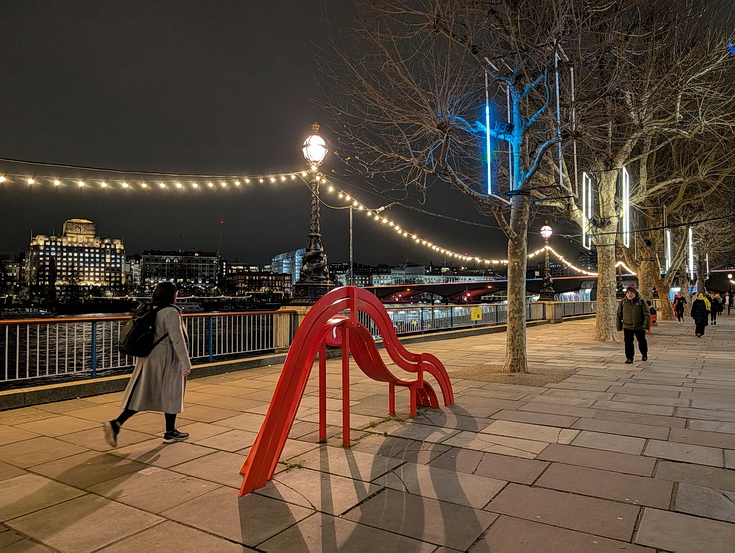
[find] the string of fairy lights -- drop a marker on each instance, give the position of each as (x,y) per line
(200,182)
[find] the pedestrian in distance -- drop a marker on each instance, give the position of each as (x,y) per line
(700,314)
(716,307)
(634,319)
(679,303)
(158,380)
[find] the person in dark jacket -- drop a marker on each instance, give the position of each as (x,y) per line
(715,307)
(634,318)
(700,314)
(679,303)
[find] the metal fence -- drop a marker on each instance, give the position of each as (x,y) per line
(40,348)
(32,350)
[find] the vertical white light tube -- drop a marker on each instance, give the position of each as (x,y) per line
(668,250)
(586,210)
(510,144)
(487,139)
(625,193)
(558,121)
(707,260)
(691,254)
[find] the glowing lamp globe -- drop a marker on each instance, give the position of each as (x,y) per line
(546,232)
(315,147)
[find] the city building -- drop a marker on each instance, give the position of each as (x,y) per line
(243,281)
(363,274)
(289,263)
(76,258)
(188,269)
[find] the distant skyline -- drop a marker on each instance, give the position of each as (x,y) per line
(221,88)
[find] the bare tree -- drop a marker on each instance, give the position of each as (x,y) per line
(411,78)
(411,86)
(647,75)
(683,181)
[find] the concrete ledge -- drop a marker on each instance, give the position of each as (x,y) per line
(48,393)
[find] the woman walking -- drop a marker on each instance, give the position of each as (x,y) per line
(700,314)
(158,381)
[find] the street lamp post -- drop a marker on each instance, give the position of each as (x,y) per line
(314,280)
(547,289)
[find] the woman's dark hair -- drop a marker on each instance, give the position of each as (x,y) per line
(164,294)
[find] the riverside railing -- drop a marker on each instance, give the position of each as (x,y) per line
(32,350)
(40,348)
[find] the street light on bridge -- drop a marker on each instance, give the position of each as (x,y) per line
(314,280)
(547,289)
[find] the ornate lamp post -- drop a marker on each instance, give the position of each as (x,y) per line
(547,289)
(314,280)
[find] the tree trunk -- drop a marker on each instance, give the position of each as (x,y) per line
(516,360)
(607,305)
(665,308)
(646,271)
(701,277)
(684,290)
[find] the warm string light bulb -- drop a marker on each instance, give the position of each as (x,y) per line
(174,181)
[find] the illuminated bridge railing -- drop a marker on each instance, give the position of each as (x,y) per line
(32,351)
(422,319)
(87,346)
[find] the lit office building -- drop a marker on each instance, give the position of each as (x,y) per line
(190,269)
(289,263)
(77,257)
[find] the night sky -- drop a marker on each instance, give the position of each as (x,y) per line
(218,88)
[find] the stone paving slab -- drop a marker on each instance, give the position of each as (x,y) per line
(701,475)
(348,463)
(249,520)
(87,469)
(83,524)
(322,532)
(562,421)
(515,535)
(437,522)
(326,493)
(685,452)
(9,471)
(683,533)
(636,490)
(574,512)
(622,428)
(705,502)
(171,537)
(500,467)
(470,490)
(609,442)
(505,445)
(153,489)
(36,451)
(29,492)
(704,438)
(536,432)
(607,460)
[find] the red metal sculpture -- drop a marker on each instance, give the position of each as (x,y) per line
(324,326)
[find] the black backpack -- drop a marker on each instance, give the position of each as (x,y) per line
(136,336)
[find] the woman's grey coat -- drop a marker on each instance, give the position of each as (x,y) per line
(157,383)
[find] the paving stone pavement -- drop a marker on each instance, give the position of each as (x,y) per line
(637,458)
